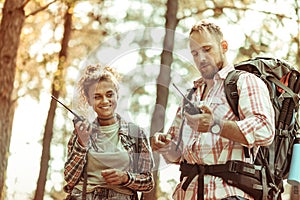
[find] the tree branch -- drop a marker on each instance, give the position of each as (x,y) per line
(40,9)
(234,8)
(24,4)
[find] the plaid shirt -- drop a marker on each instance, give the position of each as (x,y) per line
(256,123)
(141,181)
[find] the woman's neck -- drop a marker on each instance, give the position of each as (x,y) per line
(107,121)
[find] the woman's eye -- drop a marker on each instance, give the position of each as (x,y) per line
(109,95)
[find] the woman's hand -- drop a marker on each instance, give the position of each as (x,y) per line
(83,130)
(115,176)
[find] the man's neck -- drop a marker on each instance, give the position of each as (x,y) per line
(209,83)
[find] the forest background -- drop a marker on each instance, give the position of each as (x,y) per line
(44,44)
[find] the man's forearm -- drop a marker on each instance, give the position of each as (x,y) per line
(232,132)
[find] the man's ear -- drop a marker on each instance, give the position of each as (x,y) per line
(224,45)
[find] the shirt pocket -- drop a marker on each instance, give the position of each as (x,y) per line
(220,107)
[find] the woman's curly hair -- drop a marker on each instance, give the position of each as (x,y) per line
(94,74)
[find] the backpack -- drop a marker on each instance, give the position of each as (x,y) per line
(283,82)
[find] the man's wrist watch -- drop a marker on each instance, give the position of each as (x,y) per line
(216,127)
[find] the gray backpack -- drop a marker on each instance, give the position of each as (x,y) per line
(283,82)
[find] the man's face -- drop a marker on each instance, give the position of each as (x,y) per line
(207,52)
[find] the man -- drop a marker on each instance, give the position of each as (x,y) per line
(216,135)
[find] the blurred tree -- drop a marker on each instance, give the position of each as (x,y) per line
(39,54)
(162,85)
(12,21)
(57,85)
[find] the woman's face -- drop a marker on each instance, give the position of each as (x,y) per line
(103,98)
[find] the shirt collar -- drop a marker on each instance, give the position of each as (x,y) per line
(224,71)
(219,75)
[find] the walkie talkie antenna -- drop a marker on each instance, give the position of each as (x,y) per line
(178,89)
(93,142)
(185,98)
(191,109)
(65,107)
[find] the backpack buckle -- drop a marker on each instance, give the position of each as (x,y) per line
(283,133)
(232,166)
(234,95)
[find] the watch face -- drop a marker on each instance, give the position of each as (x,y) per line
(215,129)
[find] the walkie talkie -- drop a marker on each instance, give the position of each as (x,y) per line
(77,119)
(189,106)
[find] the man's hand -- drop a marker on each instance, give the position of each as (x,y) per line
(115,176)
(160,140)
(200,122)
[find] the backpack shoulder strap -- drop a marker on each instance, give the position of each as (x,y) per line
(232,96)
(134,132)
(230,87)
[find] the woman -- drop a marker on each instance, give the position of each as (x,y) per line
(103,159)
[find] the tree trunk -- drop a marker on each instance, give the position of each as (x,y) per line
(57,84)
(163,82)
(13,18)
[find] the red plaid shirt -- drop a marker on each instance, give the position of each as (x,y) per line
(256,123)
(142,181)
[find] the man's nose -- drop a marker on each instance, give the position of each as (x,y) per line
(201,56)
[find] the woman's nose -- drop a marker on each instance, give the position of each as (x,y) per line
(105,99)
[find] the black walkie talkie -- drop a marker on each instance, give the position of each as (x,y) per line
(189,106)
(77,119)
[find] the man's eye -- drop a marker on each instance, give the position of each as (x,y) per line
(194,53)
(206,49)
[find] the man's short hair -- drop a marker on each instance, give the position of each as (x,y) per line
(208,27)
